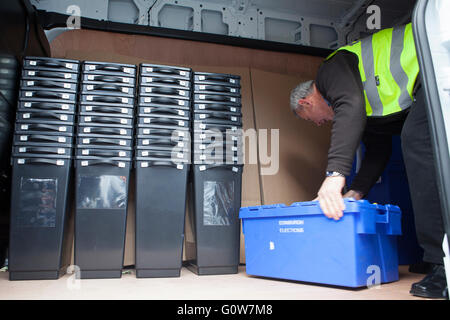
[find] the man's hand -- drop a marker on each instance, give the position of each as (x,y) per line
(354,194)
(330,197)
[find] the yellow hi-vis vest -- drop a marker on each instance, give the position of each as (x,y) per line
(388,67)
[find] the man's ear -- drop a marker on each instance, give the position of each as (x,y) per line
(304,102)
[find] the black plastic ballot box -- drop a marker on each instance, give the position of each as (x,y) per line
(42,165)
(160,215)
(40,206)
(101,196)
(215,200)
(162,164)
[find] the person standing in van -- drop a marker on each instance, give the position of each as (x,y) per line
(368,89)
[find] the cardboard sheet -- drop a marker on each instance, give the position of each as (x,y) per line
(180,52)
(303,147)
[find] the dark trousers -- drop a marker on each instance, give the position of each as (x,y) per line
(420,168)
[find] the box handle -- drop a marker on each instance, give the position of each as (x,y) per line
(102,141)
(45,115)
(163,132)
(163,163)
(211,151)
(106,78)
(107,99)
(39,137)
(97,162)
(106,109)
(165,80)
(108,87)
(164,90)
(50,74)
(163,70)
(107,120)
(169,148)
(165,121)
(103,153)
(43,127)
(162,110)
(110,67)
(382,215)
(220,107)
(218,98)
(166,70)
(164,100)
(104,130)
(212,166)
(215,144)
(162,141)
(220,116)
(209,87)
(49,84)
(217,77)
(159,153)
(47,94)
(225,122)
(210,129)
(51,64)
(42,150)
(54,162)
(45,106)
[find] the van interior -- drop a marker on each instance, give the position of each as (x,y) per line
(272,46)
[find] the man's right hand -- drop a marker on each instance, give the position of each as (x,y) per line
(330,197)
(354,194)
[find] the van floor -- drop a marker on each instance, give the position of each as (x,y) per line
(190,286)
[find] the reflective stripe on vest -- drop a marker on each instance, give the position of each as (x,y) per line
(388,67)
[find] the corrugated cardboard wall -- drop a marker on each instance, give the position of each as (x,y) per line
(266,79)
(302,145)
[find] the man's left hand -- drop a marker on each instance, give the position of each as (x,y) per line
(330,197)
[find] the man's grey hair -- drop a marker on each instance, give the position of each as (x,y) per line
(301,91)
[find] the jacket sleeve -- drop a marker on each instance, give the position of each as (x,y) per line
(378,148)
(340,83)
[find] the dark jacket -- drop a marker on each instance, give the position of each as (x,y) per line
(339,82)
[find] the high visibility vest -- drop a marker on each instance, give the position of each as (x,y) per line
(388,67)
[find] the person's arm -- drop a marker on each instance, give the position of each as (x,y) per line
(377,155)
(340,83)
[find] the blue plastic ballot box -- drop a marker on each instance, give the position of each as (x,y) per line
(299,242)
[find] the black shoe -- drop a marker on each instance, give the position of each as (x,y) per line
(434,285)
(421,267)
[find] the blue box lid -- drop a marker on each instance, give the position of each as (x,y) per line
(386,216)
(307,208)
